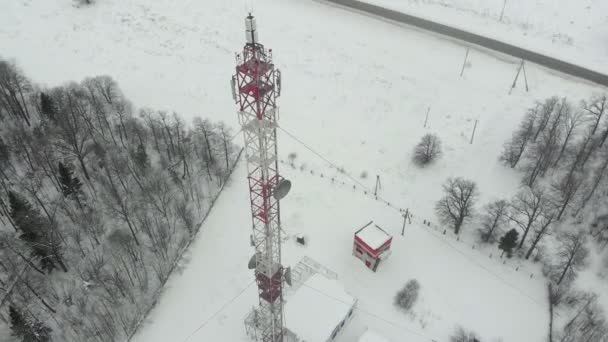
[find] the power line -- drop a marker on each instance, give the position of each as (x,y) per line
(498,277)
(372,314)
(322,157)
(219,310)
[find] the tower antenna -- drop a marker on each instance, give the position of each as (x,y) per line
(255,91)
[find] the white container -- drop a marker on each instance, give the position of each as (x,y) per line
(251,36)
(250,24)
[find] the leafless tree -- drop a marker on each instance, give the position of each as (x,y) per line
(427,150)
(514,149)
(542,229)
(596,179)
(526,208)
(572,256)
(563,191)
(14,87)
(571,121)
(495,216)
(588,324)
(457,205)
(545,112)
(595,109)
(74,139)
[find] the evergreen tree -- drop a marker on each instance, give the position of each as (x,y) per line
(18,323)
(47,107)
(35,231)
(28,331)
(4,153)
(141,158)
(508,242)
(39,333)
(70,184)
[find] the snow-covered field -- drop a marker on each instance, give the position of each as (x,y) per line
(355,89)
(575,31)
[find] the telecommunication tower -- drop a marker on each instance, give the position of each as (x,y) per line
(255,88)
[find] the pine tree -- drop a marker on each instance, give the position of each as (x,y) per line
(508,242)
(20,211)
(28,331)
(18,323)
(141,158)
(35,231)
(5,154)
(47,107)
(39,333)
(70,184)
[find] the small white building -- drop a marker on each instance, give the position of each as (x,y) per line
(318,310)
(372,336)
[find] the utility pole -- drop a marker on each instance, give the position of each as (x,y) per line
(426,120)
(378,185)
(464,64)
(406,218)
(473,134)
(502,13)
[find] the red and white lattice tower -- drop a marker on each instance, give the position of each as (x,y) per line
(256,87)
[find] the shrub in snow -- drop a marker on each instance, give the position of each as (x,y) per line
(427,150)
(407,296)
(462,335)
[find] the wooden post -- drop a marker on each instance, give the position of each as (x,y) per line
(426,120)
(502,13)
(473,135)
(466,56)
(406,217)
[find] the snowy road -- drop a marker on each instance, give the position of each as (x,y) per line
(489,43)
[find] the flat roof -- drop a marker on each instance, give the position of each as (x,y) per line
(317,307)
(372,336)
(373,236)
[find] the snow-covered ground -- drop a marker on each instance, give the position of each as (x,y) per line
(575,31)
(357,90)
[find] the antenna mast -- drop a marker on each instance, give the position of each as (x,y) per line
(255,88)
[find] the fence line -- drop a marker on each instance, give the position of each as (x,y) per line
(335,181)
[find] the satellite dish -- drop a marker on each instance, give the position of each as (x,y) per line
(252,262)
(288,276)
(282,189)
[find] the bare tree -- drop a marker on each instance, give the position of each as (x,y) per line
(541,230)
(572,256)
(563,191)
(514,149)
(13,92)
(495,216)
(597,178)
(545,112)
(427,150)
(573,119)
(545,150)
(457,205)
(588,324)
(526,208)
(595,109)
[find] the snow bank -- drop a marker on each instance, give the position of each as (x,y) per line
(318,307)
